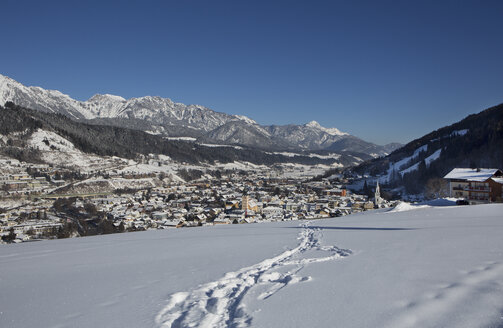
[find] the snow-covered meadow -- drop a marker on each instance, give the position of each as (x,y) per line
(416,267)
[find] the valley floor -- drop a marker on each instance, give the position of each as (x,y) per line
(419,267)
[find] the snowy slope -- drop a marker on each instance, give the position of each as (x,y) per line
(427,161)
(400,167)
(241,133)
(59,151)
(428,267)
(307,136)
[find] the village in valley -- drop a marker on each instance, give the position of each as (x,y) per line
(41,201)
(62,178)
(65,192)
(46,201)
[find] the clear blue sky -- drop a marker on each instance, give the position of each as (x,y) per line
(384,71)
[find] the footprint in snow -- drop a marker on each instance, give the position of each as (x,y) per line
(219,303)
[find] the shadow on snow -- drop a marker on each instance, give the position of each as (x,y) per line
(355,228)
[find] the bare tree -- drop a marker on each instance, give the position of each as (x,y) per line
(436,188)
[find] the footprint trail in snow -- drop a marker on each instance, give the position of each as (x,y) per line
(219,303)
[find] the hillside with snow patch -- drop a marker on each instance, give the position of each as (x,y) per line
(475,141)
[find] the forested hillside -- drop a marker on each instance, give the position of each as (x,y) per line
(476,141)
(107,140)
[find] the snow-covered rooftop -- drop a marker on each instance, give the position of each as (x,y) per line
(471,174)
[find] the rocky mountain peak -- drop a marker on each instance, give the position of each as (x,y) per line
(105,98)
(313,124)
(154,113)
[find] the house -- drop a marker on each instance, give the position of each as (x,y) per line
(175,223)
(292,207)
(476,185)
(335,192)
(324,212)
(160,215)
(273,211)
(23,176)
(221,219)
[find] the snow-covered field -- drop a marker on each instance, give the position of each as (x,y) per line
(417,267)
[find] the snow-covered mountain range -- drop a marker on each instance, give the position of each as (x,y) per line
(163,116)
(163,111)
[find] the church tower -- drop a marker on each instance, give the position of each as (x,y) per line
(377,196)
(245,202)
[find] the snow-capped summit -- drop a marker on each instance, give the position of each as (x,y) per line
(41,99)
(331,131)
(105,105)
(150,108)
(313,124)
(245,119)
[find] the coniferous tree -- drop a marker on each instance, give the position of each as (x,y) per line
(10,237)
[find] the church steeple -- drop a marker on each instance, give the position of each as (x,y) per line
(377,195)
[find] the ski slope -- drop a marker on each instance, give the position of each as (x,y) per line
(421,266)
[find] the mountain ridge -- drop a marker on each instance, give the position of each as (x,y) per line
(160,113)
(18,124)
